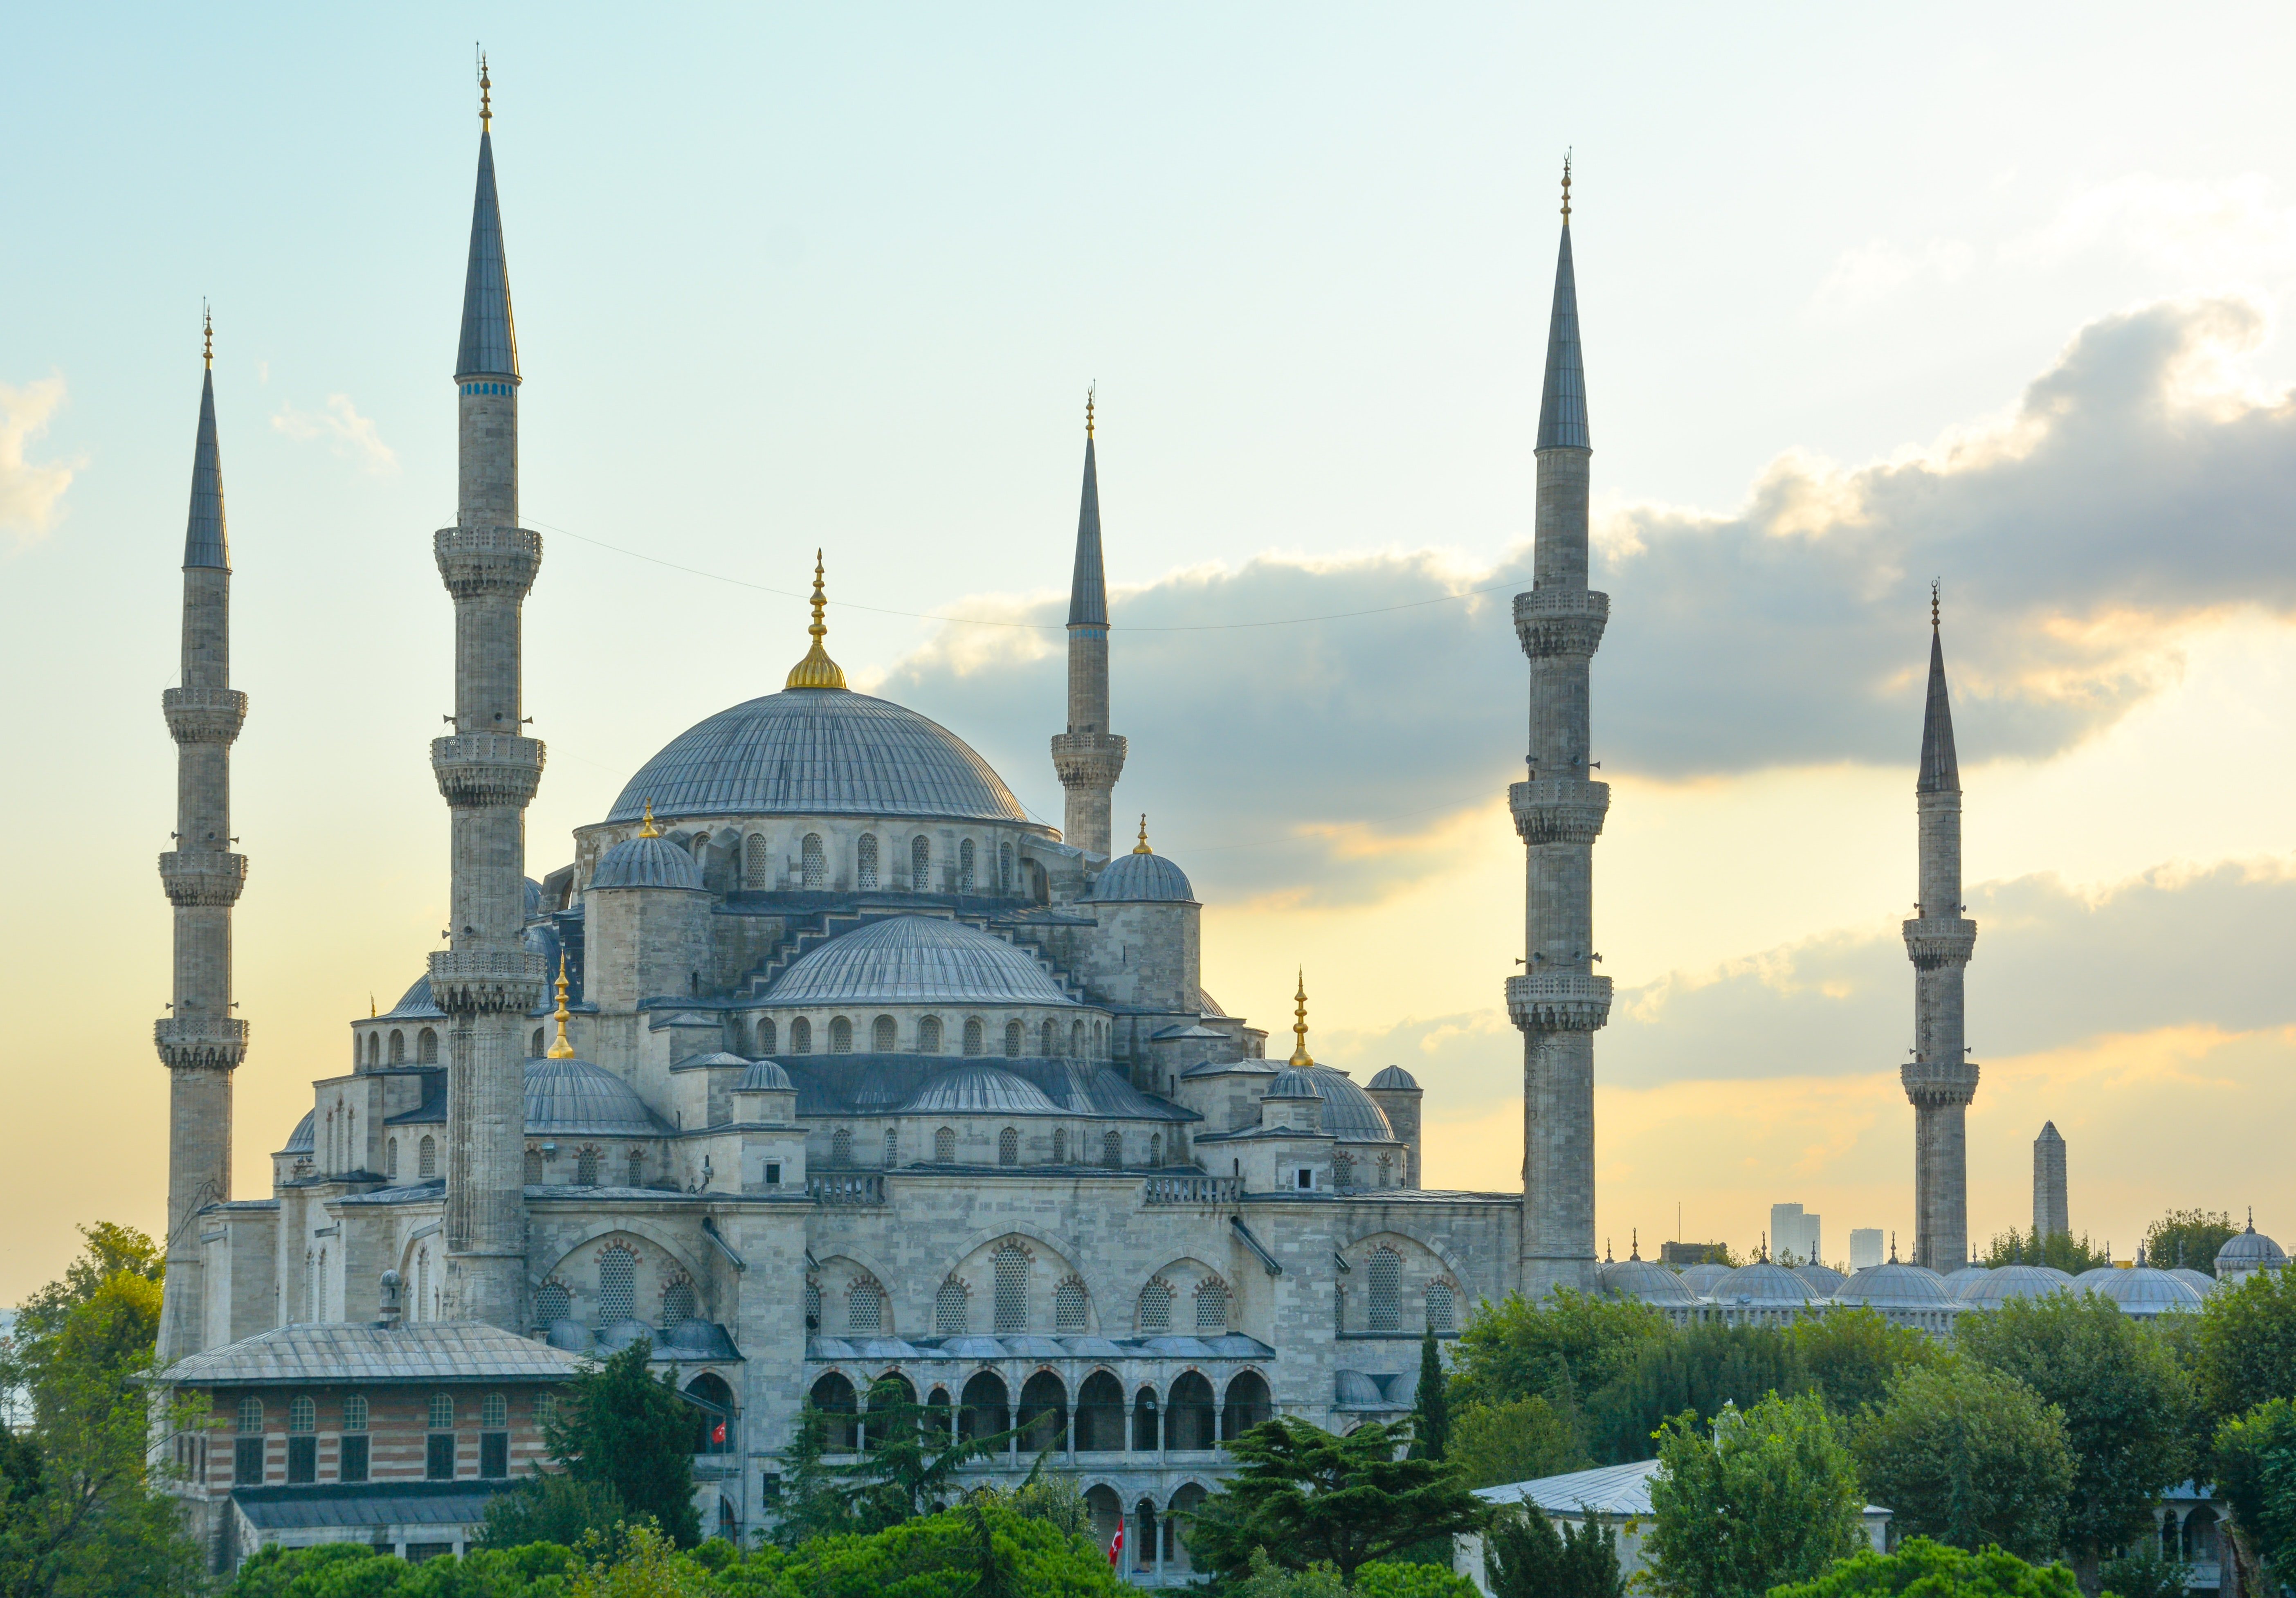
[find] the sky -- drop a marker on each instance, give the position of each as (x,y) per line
(1995,297)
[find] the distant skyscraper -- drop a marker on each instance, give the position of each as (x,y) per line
(2049,1216)
(1794,1232)
(1864,1247)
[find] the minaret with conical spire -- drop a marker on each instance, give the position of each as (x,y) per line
(1088,756)
(200,1041)
(1558,1001)
(1939,1078)
(486,980)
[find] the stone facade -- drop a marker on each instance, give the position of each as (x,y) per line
(2051,1214)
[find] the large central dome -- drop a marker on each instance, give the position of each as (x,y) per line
(818,752)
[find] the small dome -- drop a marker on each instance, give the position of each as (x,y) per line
(978,1090)
(305,1138)
(1352,1389)
(1895,1286)
(646,863)
(1293,1082)
(916,960)
(1350,1114)
(1647,1281)
(1700,1279)
(1957,1283)
(764,1076)
(1394,1080)
(569,1098)
(1761,1285)
(1822,1279)
(414,1003)
(695,1338)
(2141,1290)
(2200,1282)
(1996,1287)
(2250,1250)
(2094,1275)
(1137,878)
(570,1335)
(621,1334)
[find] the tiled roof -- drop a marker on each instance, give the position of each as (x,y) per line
(340,1352)
(367,1503)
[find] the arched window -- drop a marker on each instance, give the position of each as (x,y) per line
(833,1395)
(814,860)
(1246,1403)
(964,866)
(1386,1171)
(355,1413)
(442,1412)
(865,1307)
(421,1306)
(800,1036)
(840,1035)
(1343,1170)
(633,1163)
(1043,1416)
(974,1034)
(929,1036)
(864,874)
(1004,868)
(1145,1422)
(920,864)
(1211,1305)
(1075,1040)
(617,1285)
(1059,1145)
(250,1415)
(892,1148)
(586,1168)
(552,1303)
(1442,1307)
(1012,1289)
(945,1146)
(1068,1305)
(1156,1306)
(374,1048)
(397,1048)
(1008,1146)
(949,1306)
(676,1303)
(426,1047)
(766,1034)
(533,1168)
(1189,1420)
(494,1412)
(757,864)
(1011,1040)
(812,1306)
(1099,1417)
(881,1034)
(302,1414)
(983,1410)
(534,1044)
(1111,1151)
(1047,1040)
(841,1146)
(426,1158)
(1384,1312)
(390,1158)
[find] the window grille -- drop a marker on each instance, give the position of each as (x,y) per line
(892,1148)
(1068,1305)
(1111,1151)
(390,1159)
(533,1167)
(973,1035)
(1076,1039)
(374,1048)
(355,1413)
(949,1306)
(801,1037)
(1059,1145)
(1047,1040)
(841,1036)
(442,1412)
(1442,1307)
(841,1146)
(1012,1289)
(635,1165)
(1004,868)
(1386,1171)
(1385,1311)
(757,864)
(813,1307)
(764,1034)
(585,1169)
(398,1048)
(677,1304)
(1211,1305)
(929,1036)
(881,1036)
(617,1286)
(920,864)
(945,1146)
(426,1047)
(815,863)
(494,1411)
(1008,1147)
(866,862)
(250,1415)
(865,1307)
(1155,1148)
(426,1158)
(964,866)
(1343,1170)
(553,1303)
(1011,1040)
(534,1044)
(302,1414)
(1156,1306)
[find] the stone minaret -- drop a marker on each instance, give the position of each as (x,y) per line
(1559,1001)
(1088,756)
(2049,1208)
(486,981)
(201,1042)
(1940,1079)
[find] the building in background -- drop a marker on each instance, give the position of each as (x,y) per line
(1794,1233)
(1864,1247)
(2050,1212)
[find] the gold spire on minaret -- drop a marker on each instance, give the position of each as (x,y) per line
(646,828)
(1933,603)
(1088,394)
(1141,848)
(817,670)
(207,335)
(1566,188)
(561,1049)
(486,96)
(1300,1055)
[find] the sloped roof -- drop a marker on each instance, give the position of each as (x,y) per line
(436,1351)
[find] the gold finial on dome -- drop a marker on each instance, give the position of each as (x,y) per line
(561,1049)
(646,828)
(817,670)
(1300,1055)
(1141,848)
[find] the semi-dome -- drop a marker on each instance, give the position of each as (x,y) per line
(978,1090)
(1700,1279)
(1761,1285)
(571,1098)
(915,960)
(415,1003)
(2249,1251)
(1137,878)
(818,752)
(305,1138)
(1394,1080)
(1649,1282)
(765,1075)
(646,862)
(2141,1290)
(1997,1287)
(1895,1286)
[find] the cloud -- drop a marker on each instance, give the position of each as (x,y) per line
(349,434)
(1865,276)
(2215,231)
(30,492)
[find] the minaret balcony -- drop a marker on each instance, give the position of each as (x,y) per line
(1558,1001)
(1089,759)
(487,981)
(479,770)
(1936,941)
(1938,1085)
(1559,809)
(217,1042)
(202,876)
(204,715)
(480,561)
(1560,621)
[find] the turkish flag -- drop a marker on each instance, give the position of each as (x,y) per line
(717,1433)
(1116,1548)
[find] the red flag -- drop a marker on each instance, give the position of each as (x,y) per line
(1116,1548)
(717,1433)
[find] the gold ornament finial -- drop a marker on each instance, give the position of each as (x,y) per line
(646,828)
(817,670)
(1933,604)
(1300,1055)
(561,1049)
(1566,188)
(207,335)
(1089,395)
(1141,848)
(486,96)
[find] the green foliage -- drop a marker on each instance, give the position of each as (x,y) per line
(2245,1351)
(1525,1557)
(2126,1401)
(910,1469)
(554,1508)
(1969,1456)
(1511,1348)
(2144,1573)
(1519,1440)
(1388,1580)
(2255,1475)
(1768,1496)
(1928,1569)
(355,1570)
(945,1555)
(2188,1239)
(1306,1495)
(1849,1354)
(1431,1431)
(648,1566)
(1702,1368)
(2060,1250)
(617,1425)
(1265,1578)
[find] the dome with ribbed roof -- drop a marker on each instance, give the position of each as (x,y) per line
(646,863)
(1293,1082)
(1700,1279)
(916,960)
(1395,1079)
(1647,1281)
(305,1138)
(765,1075)
(1822,1279)
(1350,1114)
(2141,1290)
(2200,1282)
(569,1098)
(2249,1251)
(978,1090)
(818,752)
(1996,1287)
(1957,1283)
(1894,1286)
(1133,879)
(415,1005)
(1761,1285)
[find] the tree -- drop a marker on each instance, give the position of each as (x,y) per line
(1431,1430)
(554,1508)
(648,1565)
(618,1425)
(1934,1570)
(2060,1250)
(1519,1440)
(1385,1579)
(2244,1350)
(1849,1354)
(2188,1238)
(1524,1557)
(933,1556)
(909,1469)
(2145,1572)
(356,1570)
(2256,1474)
(1305,1495)
(1703,1367)
(1767,1495)
(1969,1456)
(2127,1405)
(1511,1348)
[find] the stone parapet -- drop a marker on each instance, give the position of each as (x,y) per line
(479,561)
(1089,759)
(1558,1002)
(218,1042)
(1559,809)
(1560,621)
(479,770)
(472,982)
(1939,940)
(202,876)
(1937,1083)
(204,715)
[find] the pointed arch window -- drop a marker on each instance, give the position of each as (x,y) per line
(1008,1146)
(1011,1040)
(840,1035)
(677,1304)
(800,1036)
(1111,1151)
(1068,1305)
(534,1044)
(374,1048)
(586,1168)
(882,1036)
(975,1035)
(892,1148)
(390,1159)
(964,866)
(426,1158)
(398,1048)
(865,1307)
(865,862)
(1155,1149)
(812,1306)
(945,1146)
(1048,1040)
(841,1146)
(1384,1310)
(1343,1170)
(919,864)
(1075,1040)
(1156,1306)
(814,862)
(766,1043)
(1442,1307)
(1004,868)
(552,1303)
(1059,1145)
(1211,1305)
(929,1036)
(426,1047)
(757,863)
(617,1285)
(950,1310)
(533,1166)
(633,1163)
(1012,1289)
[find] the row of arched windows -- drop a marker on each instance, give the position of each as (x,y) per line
(1077,1040)
(426,1047)
(426,1158)
(1186,1418)
(969,873)
(1382,1291)
(1008,1148)
(591,1164)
